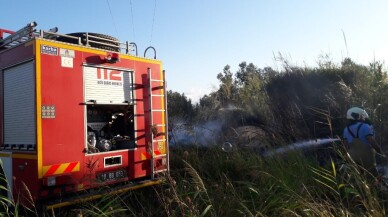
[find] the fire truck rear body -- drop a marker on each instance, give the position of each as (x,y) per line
(75,117)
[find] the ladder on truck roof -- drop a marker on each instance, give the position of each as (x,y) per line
(17,37)
(156,155)
(85,39)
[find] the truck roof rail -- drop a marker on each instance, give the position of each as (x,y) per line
(95,40)
(17,37)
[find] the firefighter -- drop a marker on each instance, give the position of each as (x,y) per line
(359,140)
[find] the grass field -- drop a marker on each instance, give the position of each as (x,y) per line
(206,181)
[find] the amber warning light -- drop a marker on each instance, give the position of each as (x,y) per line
(112,57)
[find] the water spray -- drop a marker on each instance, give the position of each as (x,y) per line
(301,145)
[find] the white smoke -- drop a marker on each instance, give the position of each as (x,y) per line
(200,134)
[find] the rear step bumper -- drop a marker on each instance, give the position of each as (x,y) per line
(99,194)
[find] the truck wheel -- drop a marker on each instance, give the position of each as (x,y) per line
(111,45)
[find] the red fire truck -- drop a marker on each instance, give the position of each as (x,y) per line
(79,112)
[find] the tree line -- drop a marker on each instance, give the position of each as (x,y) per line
(291,103)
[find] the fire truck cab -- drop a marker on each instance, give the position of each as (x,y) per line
(79,111)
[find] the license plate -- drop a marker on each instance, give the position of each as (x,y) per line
(112,175)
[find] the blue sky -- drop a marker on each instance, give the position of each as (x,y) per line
(196,39)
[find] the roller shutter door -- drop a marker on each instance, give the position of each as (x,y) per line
(19,105)
(107,86)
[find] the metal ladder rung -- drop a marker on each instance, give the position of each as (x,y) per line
(19,36)
(158,110)
(158,125)
(159,156)
(160,171)
(159,140)
(163,135)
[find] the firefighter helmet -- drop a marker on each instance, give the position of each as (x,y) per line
(356,113)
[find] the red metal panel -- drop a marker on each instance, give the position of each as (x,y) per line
(25,180)
(16,55)
(62,88)
(1,107)
(94,164)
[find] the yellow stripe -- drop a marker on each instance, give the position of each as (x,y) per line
(25,156)
(20,156)
(61,169)
(140,59)
(45,169)
(5,155)
(38,107)
(76,168)
(163,107)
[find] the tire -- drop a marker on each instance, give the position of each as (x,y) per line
(111,45)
